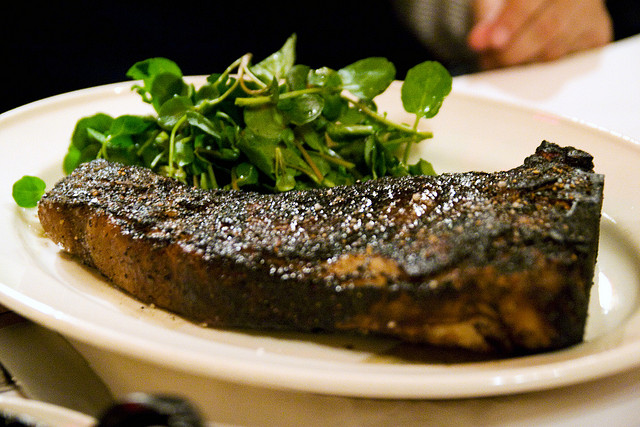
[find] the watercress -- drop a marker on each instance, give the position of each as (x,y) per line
(28,190)
(271,126)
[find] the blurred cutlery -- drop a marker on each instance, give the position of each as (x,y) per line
(46,367)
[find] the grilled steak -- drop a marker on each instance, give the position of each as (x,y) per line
(493,262)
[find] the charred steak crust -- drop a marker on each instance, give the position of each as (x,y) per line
(493,262)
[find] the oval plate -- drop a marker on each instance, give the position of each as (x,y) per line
(471,133)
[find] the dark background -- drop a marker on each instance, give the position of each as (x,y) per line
(56,47)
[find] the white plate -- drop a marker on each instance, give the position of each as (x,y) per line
(37,413)
(471,133)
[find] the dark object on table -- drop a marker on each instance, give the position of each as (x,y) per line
(141,409)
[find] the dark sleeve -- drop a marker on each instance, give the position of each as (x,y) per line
(626,17)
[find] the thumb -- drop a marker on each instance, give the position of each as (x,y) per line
(484,13)
(486,10)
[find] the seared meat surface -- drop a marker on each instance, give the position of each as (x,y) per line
(493,262)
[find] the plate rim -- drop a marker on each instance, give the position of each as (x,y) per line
(42,412)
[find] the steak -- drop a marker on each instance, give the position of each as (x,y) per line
(499,263)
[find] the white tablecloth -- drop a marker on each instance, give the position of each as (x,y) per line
(599,87)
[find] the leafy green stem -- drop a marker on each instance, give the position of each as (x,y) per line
(383,119)
(407,148)
(212,176)
(246,70)
(310,161)
(147,143)
(172,143)
(242,65)
(256,101)
(336,160)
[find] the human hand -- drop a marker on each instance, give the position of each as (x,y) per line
(510,32)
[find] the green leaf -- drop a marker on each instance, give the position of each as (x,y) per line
(352,116)
(90,153)
(71,159)
(207,92)
(288,136)
(302,109)
(228,154)
(172,110)
(278,64)
(368,77)
(152,67)
(267,155)
(164,87)
(285,182)
(97,136)
(28,190)
(425,88)
(198,120)
(120,141)
(321,163)
(312,138)
(183,153)
(265,121)
(423,167)
(246,174)
(338,177)
(81,137)
(297,77)
(325,77)
(129,125)
(334,106)
(374,157)
(259,150)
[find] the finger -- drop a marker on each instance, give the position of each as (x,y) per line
(486,10)
(479,38)
(513,17)
(551,26)
(484,13)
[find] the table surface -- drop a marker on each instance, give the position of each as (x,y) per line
(600,87)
